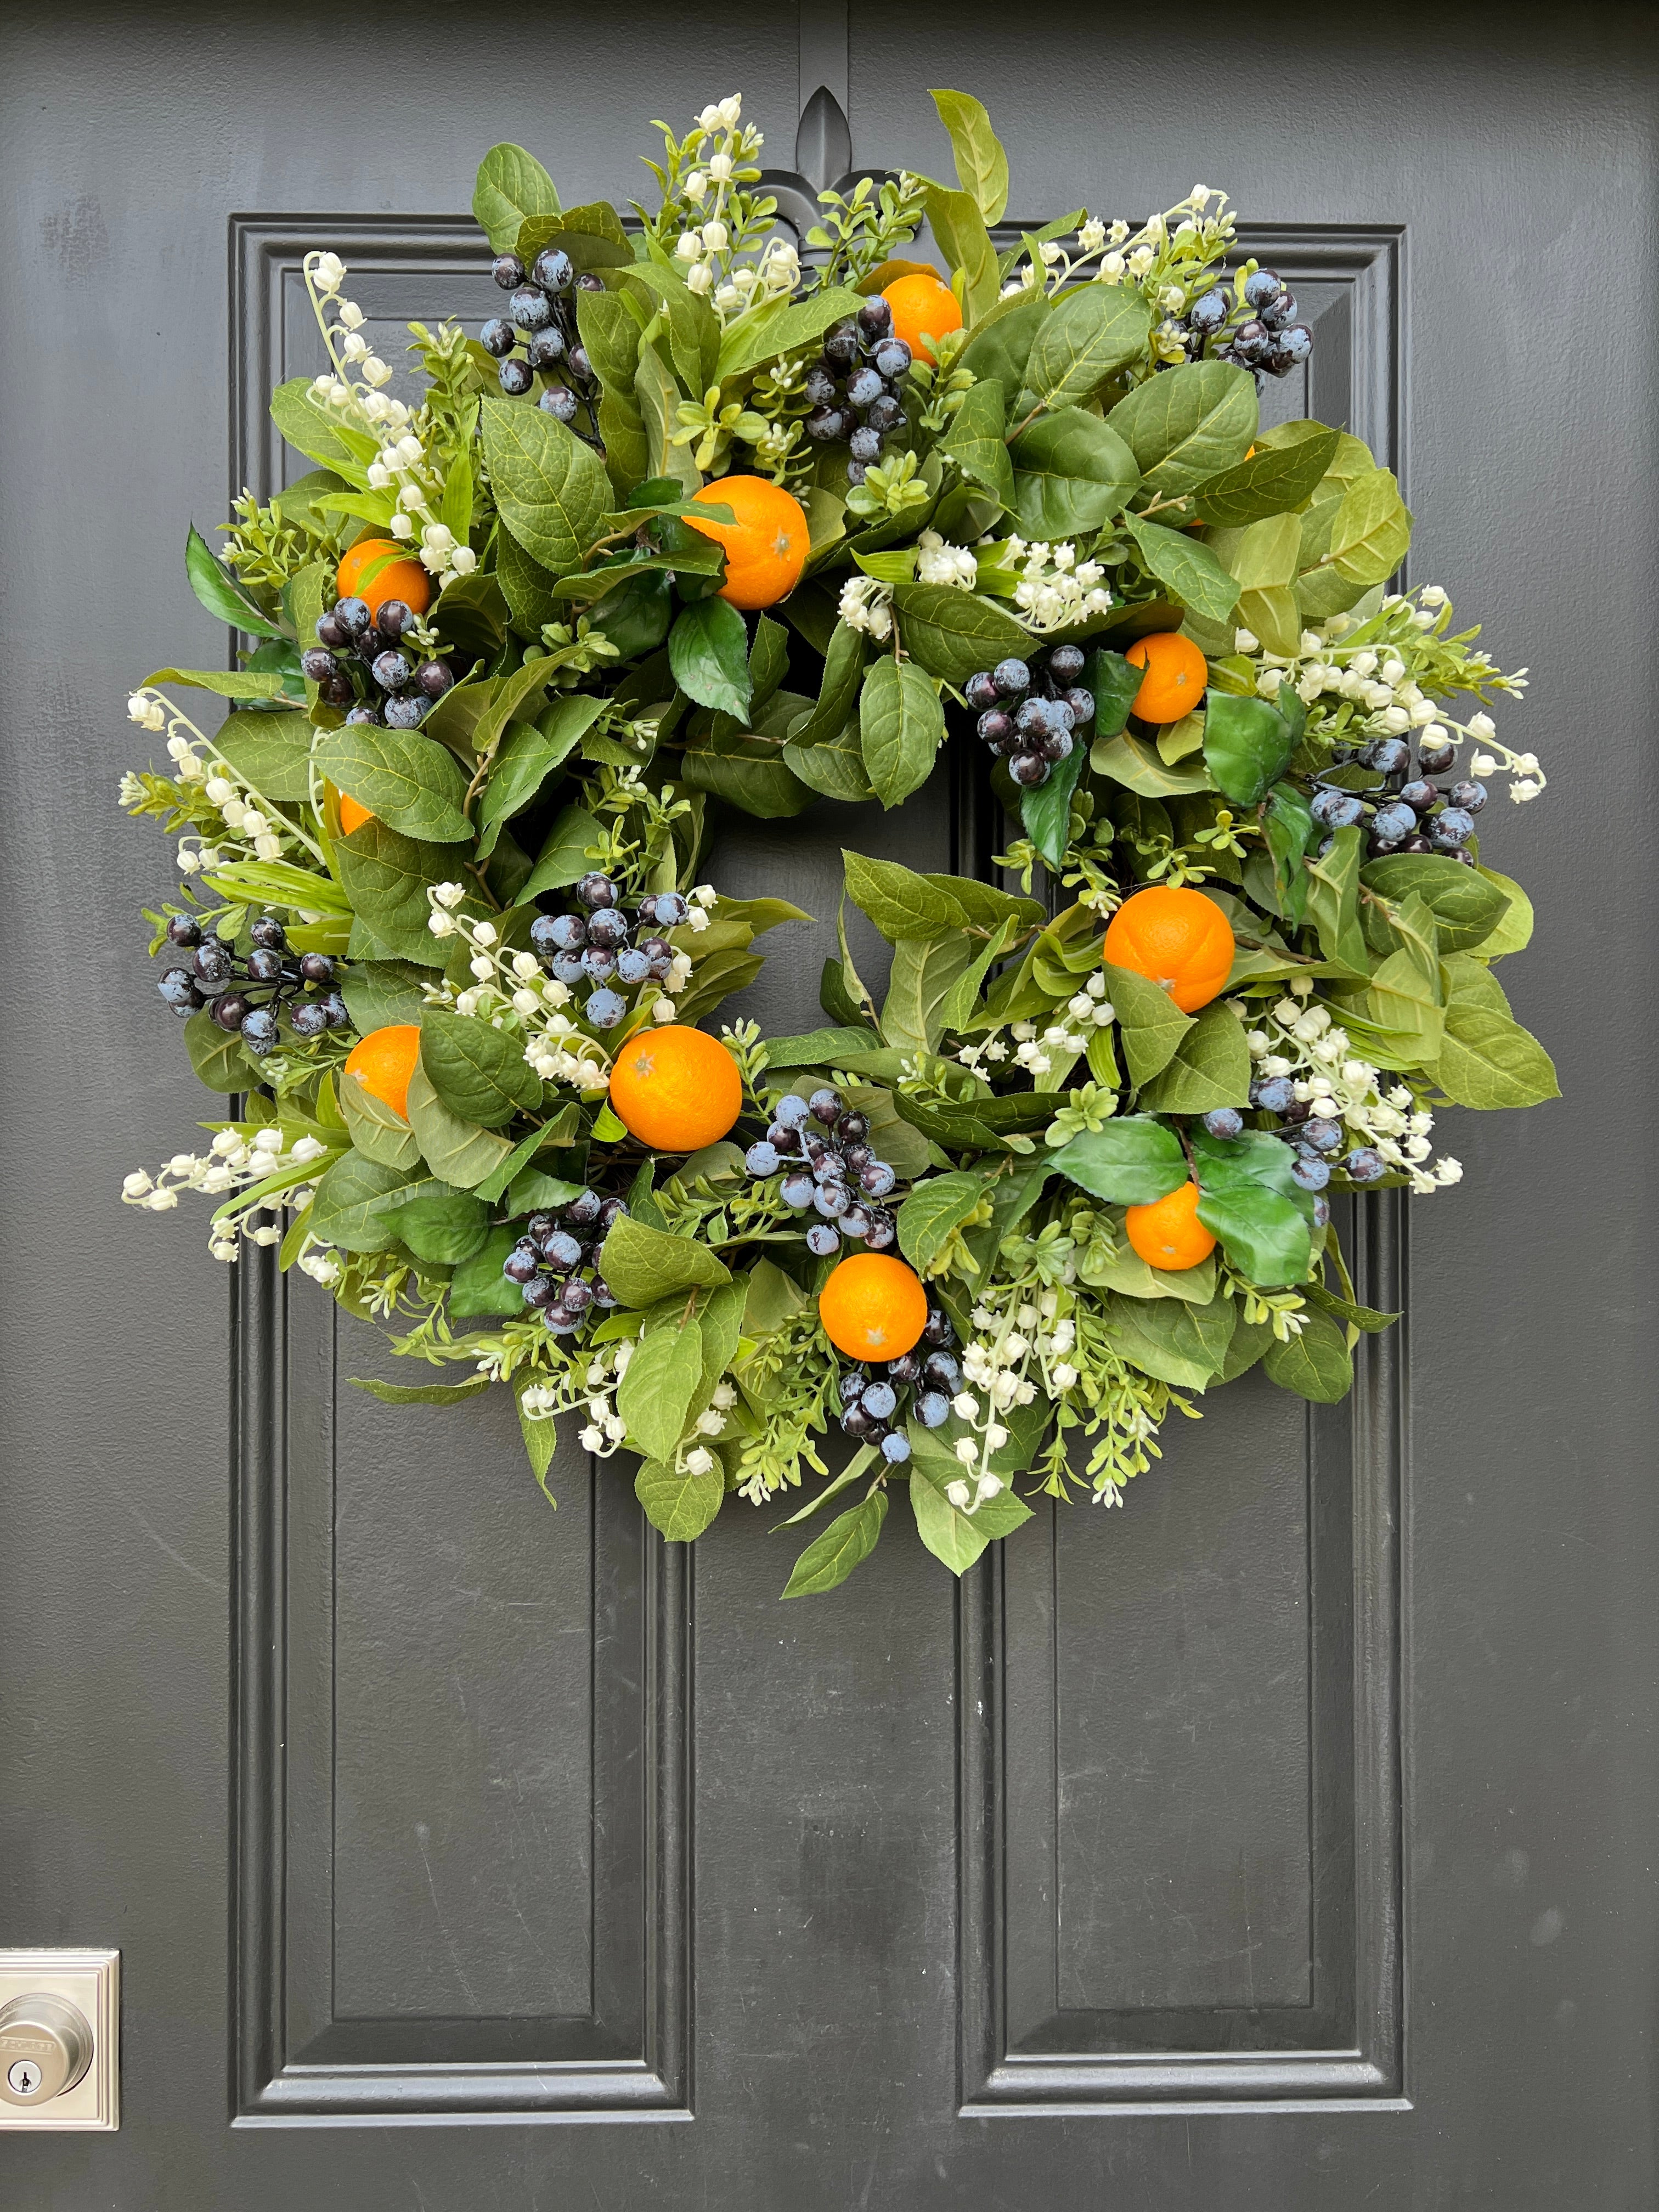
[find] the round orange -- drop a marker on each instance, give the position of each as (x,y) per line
(766,547)
(382,1062)
(874,1307)
(675,1088)
(1168,1233)
(1179,938)
(923,308)
(402,579)
(1176,673)
(353,814)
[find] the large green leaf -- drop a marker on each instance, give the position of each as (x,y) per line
(413,785)
(1316,1364)
(679,1507)
(315,431)
(528,755)
(1273,480)
(1513,931)
(458,1150)
(550,489)
(1188,425)
(1090,332)
(709,653)
(981,165)
(1263,1233)
(641,1264)
(923,974)
(1185,1345)
(959,231)
(478,1291)
(899,903)
(835,1550)
(346,1209)
(1248,744)
(933,1214)
(1072,473)
(784,326)
(1151,1024)
(1351,543)
(592,234)
(270,752)
(234,684)
(479,1072)
(1188,568)
(375,1128)
(834,769)
(1467,905)
(754,777)
(1130,1161)
(843,671)
(1130,761)
(693,328)
(218,1056)
(901,727)
(975,441)
(1333,901)
(654,1396)
(955,633)
(566,854)
(1211,1068)
(511,186)
(1045,814)
(441,1227)
(1000,348)
(1486,1059)
(387,877)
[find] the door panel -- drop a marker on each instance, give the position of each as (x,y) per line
(1282,1841)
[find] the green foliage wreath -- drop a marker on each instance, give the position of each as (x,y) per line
(441,901)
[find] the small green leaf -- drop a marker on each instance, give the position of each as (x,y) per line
(458,1152)
(444,1229)
(511,186)
(1129,1161)
(219,591)
(1315,1364)
(641,1264)
(566,854)
(346,1209)
(899,903)
(654,1396)
(1089,334)
(933,1214)
(218,1056)
(239,683)
(1275,479)
(270,752)
(1151,1024)
(902,727)
(679,1506)
(959,231)
(1188,568)
(981,165)
(709,653)
(478,1290)
(420,1394)
(835,1550)
(1247,745)
(975,440)
(1486,1059)
(1263,1234)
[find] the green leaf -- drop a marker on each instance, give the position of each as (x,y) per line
(1001,345)
(654,1396)
(902,727)
(709,653)
(271,752)
(386,876)
(1263,1234)
(527,585)
(1189,568)
(975,441)
(1129,1161)
(899,903)
(412,784)
(1290,831)
(1045,814)
(923,974)
(1316,1364)
(458,1152)
(1369,1318)
(835,1550)
(478,1291)
(843,672)
(818,1047)
(753,777)
(678,1506)
(566,854)
(219,591)
(479,1072)
(217,1055)
(642,1264)
(1211,1068)
(1248,744)
(511,186)
(1333,901)
(346,1209)
(420,1394)
(313,431)
(550,489)
(376,1129)
(1467,905)
(959,232)
(1186,425)
(444,1229)
(1274,479)
(764,334)
(592,234)
(1132,762)
(657,397)
(933,1211)
(955,633)
(1513,932)
(981,165)
(525,759)
(1486,1059)
(1087,335)
(1151,1024)
(1072,473)
(238,683)
(1182,1344)
(1372,532)
(693,328)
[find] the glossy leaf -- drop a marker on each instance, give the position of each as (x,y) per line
(899,903)
(478,1291)
(679,1507)
(1087,333)
(1275,478)
(954,633)
(901,727)
(1486,1059)
(443,1228)
(511,186)
(835,1550)
(654,1396)
(959,231)
(345,1210)
(1316,1364)
(219,591)
(479,1072)
(1467,905)
(642,1264)
(566,854)
(550,489)
(709,653)
(1128,1161)
(1150,1024)
(1188,425)
(1072,473)
(1248,744)
(1211,1068)
(975,440)
(410,782)
(981,165)
(270,752)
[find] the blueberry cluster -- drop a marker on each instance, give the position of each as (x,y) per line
(360,662)
(538,332)
(873,1399)
(554,1261)
(1409,813)
(602,944)
(1312,1137)
(223,982)
(1269,342)
(853,387)
(829,1169)
(1031,710)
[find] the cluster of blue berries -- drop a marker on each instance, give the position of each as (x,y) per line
(821,1149)
(538,334)
(1032,711)
(361,663)
(224,981)
(1269,341)
(601,945)
(873,1399)
(853,388)
(554,1262)
(1408,812)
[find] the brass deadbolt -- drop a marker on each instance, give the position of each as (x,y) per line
(46,2047)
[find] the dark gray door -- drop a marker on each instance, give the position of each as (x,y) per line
(1284,1841)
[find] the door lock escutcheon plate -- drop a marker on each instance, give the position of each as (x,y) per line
(59,2039)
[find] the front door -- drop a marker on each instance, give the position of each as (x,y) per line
(1283,1841)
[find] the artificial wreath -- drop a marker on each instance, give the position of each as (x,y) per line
(697,522)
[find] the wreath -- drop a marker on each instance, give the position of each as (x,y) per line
(703,519)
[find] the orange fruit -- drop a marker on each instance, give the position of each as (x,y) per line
(1168,1233)
(766,547)
(1179,938)
(923,308)
(383,1062)
(402,579)
(353,814)
(675,1088)
(1176,673)
(874,1307)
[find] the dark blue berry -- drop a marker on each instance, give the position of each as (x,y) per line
(498,336)
(1295,344)
(546,348)
(941,1371)
(559,1249)
(391,671)
(1420,794)
(394,617)
(1010,678)
(1435,759)
(1392,823)
(865,445)
(797,1191)
(875,318)
(353,616)
(366,717)
(938,1330)
(831,1199)
(308,1019)
(1312,1174)
(826,1106)
(184,929)
(826,423)
(317,664)
(407,712)
(553,270)
(228,1009)
(596,889)
(933,1409)
(671,910)
(820,387)
(1365,1164)
(864,386)
(531,308)
(609,927)
(508,271)
(1209,312)
(1224,1121)
(560,402)
(1274,1094)
(1029,771)
(1452,826)
(822,1241)
(265,965)
(1386,755)
(1324,1136)
(177,990)
(895,1448)
(1468,798)
(876,1179)
(632,966)
(1261,285)
(881,1399)
(883,1231)
(558,933)
(516,378)
(980,690)
(212,963)
(792,1110)
(606,1009)
(891,358)
(260,1030)
(762,1159)
(432,679)
(855,1222)
(1337,810)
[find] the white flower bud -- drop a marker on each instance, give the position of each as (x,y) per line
(958,1492)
